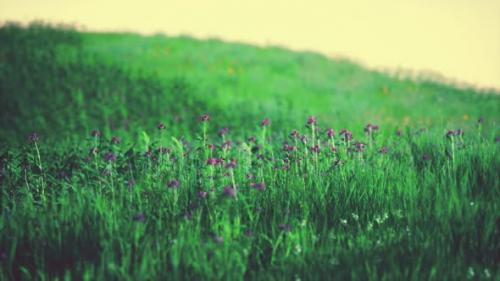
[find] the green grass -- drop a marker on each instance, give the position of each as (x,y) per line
(426,209)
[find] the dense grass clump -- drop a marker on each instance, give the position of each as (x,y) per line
(112,169)
(417,205)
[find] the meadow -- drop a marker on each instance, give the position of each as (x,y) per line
(128,157)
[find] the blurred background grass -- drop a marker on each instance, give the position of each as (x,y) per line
(63,83)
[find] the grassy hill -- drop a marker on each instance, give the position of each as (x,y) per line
(58,81)
(124,157)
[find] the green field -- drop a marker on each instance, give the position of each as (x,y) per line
(129,157)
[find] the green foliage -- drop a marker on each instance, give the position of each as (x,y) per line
(162,204)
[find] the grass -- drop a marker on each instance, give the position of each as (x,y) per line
(103,192)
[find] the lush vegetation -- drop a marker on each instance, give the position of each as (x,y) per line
(155,158)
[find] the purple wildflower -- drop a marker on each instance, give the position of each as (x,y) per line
(110,157)
(346,134)
(115,140)
(294,134)
(384,150)
(205,117)
(229,191)
(252,139)
(360,147)
(161,126)
(265,122)
(258,185)
(455,133)
(315,148)
(202,194)
(139,217)
(223,131)
(212,161)
(231,164)
(226,144)
(426,157)
(311,120)
(330,132)
(173,184)
(370,128)
(287,147)
(33,137)
(95,133)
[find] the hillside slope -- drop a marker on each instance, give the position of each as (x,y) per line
(60,82)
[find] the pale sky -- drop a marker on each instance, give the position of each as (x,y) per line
(459,39)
